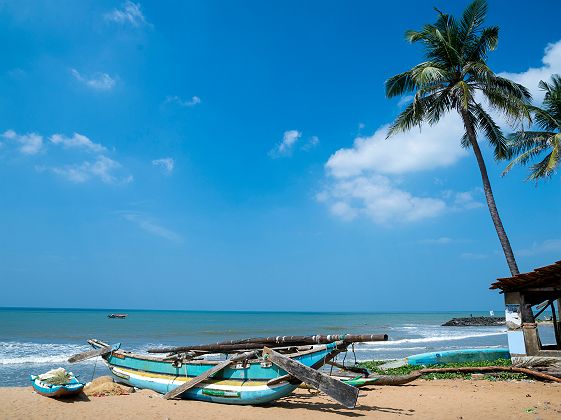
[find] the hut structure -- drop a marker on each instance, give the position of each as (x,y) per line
(527,296)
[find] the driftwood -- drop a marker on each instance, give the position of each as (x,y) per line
(392,380)
(205,375)
(514,369)
(260,342)
(339,391)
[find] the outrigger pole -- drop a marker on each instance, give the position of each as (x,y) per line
(286,340)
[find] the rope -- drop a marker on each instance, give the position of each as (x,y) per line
(93,373)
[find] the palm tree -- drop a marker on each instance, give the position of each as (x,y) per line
(526,145)
(453,78)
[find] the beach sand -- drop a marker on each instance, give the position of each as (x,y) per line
(442,399)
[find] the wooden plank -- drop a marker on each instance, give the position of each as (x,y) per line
(89,354)
(339,391)
(205,375)
(294,381)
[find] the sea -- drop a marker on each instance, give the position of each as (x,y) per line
(34,340)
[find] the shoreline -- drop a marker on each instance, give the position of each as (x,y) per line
(441,399)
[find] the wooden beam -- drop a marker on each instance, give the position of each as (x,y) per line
(276,341)
(90,354)
(339,391)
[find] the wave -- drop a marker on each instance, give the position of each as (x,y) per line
(387,349)
(15,353)
(431,339)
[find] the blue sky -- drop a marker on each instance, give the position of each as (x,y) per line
(231,155)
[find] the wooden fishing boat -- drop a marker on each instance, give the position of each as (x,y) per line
(242,383)
(117,316)
(254,374)
(73,387)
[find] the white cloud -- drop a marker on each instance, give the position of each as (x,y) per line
(311,143)
(379,199)
(464,200)
(99,81)
(166,164)
(77,141)
(99,167)
(29,144)
(361,179)
(530,78)
(416,150)
(102,168)
(152,227)
(130,13)
(284,148)
(195,100)
(549,246)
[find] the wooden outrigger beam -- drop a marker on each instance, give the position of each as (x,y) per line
(103,349)
(287,340)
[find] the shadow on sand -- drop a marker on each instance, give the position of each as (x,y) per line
(81,397)
(303,401)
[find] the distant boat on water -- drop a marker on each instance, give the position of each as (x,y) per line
(119,316)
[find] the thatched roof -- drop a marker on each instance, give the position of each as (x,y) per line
(541,278)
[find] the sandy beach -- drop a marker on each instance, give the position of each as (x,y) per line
(443,399)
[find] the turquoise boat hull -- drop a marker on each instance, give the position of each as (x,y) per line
(56,391)
(458,356)
(236,384)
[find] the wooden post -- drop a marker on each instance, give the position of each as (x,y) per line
(526,310)
(559,323)
(556,325)
(531,340)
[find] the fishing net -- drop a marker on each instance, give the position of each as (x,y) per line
(104,387)
(56,377)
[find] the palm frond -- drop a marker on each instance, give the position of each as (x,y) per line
(411,116)
(479,47)
(512,103)
(523,158)
(400,84)
(546,120)
(472,18)
(492,132)
(542,168)
(465,142)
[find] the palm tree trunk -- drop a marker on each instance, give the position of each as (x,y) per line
(503,238)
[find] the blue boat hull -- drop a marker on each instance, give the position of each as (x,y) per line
(56,391)
(236,384)
(458,356)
